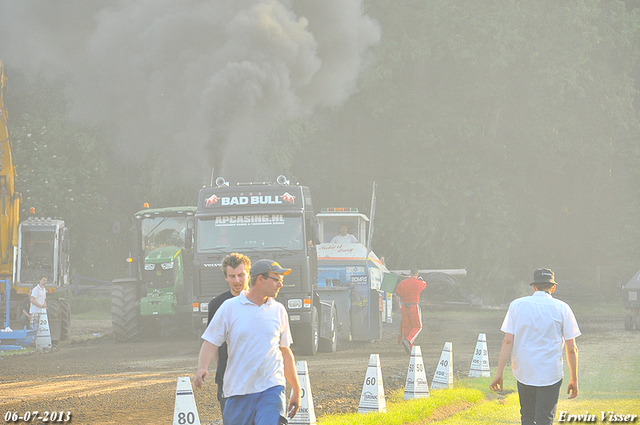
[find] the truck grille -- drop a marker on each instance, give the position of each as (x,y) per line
(213,283)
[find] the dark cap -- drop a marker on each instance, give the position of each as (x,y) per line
(543,276)
(265,266)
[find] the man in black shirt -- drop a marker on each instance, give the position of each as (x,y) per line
(236,269)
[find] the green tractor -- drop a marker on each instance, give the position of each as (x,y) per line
(156,297)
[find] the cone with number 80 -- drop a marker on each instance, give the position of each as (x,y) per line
(185,411)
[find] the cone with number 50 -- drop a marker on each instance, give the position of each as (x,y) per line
(416,385)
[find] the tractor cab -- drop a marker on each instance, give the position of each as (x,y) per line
(335,222)
(164,236)
(43,250)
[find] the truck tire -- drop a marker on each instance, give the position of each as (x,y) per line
(309,338)
(628,322)
(53,315)
(124,312)
(64,308)
(330,345)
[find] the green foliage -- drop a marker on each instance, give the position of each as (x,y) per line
(503,137)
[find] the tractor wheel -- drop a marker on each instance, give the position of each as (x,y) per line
(53,314)
(309,338)
(628,322)
(636,319)
(64,307)
(124,312)
(330,345)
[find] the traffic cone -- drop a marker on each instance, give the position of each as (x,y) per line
(416,385)
(306,414)
(443,378)
(185,411)
(480,362)
(372,398)
(43,334)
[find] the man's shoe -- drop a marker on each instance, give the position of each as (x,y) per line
(407,346)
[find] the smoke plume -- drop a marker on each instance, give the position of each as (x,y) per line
(199,80)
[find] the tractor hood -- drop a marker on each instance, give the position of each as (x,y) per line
(163,254)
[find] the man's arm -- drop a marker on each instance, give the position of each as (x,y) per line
(291,375)
(208,351)
(505,355)
(572,360)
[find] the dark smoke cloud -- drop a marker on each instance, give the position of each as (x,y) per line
(206,76)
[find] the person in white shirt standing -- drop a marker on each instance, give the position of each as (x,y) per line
(536,328)
(38,299)
(344,236)
(256,329)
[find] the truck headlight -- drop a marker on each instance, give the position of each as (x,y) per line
(204,307)
(167,266)
(294,303)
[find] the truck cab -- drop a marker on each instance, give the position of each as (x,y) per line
(262,220)
(43,250)
(351,275)
(157,293)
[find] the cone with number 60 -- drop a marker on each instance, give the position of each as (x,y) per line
(372,398)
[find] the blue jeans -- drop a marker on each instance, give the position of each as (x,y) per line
(538,404)
(265,408)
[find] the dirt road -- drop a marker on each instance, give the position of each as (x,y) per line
(103,382)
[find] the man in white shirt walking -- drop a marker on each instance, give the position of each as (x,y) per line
(256,329)
(536,327)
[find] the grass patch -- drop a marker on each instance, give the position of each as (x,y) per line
(441,404)
(16,352)
(604,308)
(606,385)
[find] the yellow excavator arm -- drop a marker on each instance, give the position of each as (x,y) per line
(9,198)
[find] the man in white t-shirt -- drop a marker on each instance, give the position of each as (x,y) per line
(260,363)
(38,299)
(536,327)
(344,236)
(39,296)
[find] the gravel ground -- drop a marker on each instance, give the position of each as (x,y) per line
(103,382)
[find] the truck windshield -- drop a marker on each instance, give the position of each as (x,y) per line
(162,231)
(232,233)
(37,254)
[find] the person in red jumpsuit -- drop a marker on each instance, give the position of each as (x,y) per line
(411,324)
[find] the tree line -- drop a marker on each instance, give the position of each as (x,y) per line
(503,137)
